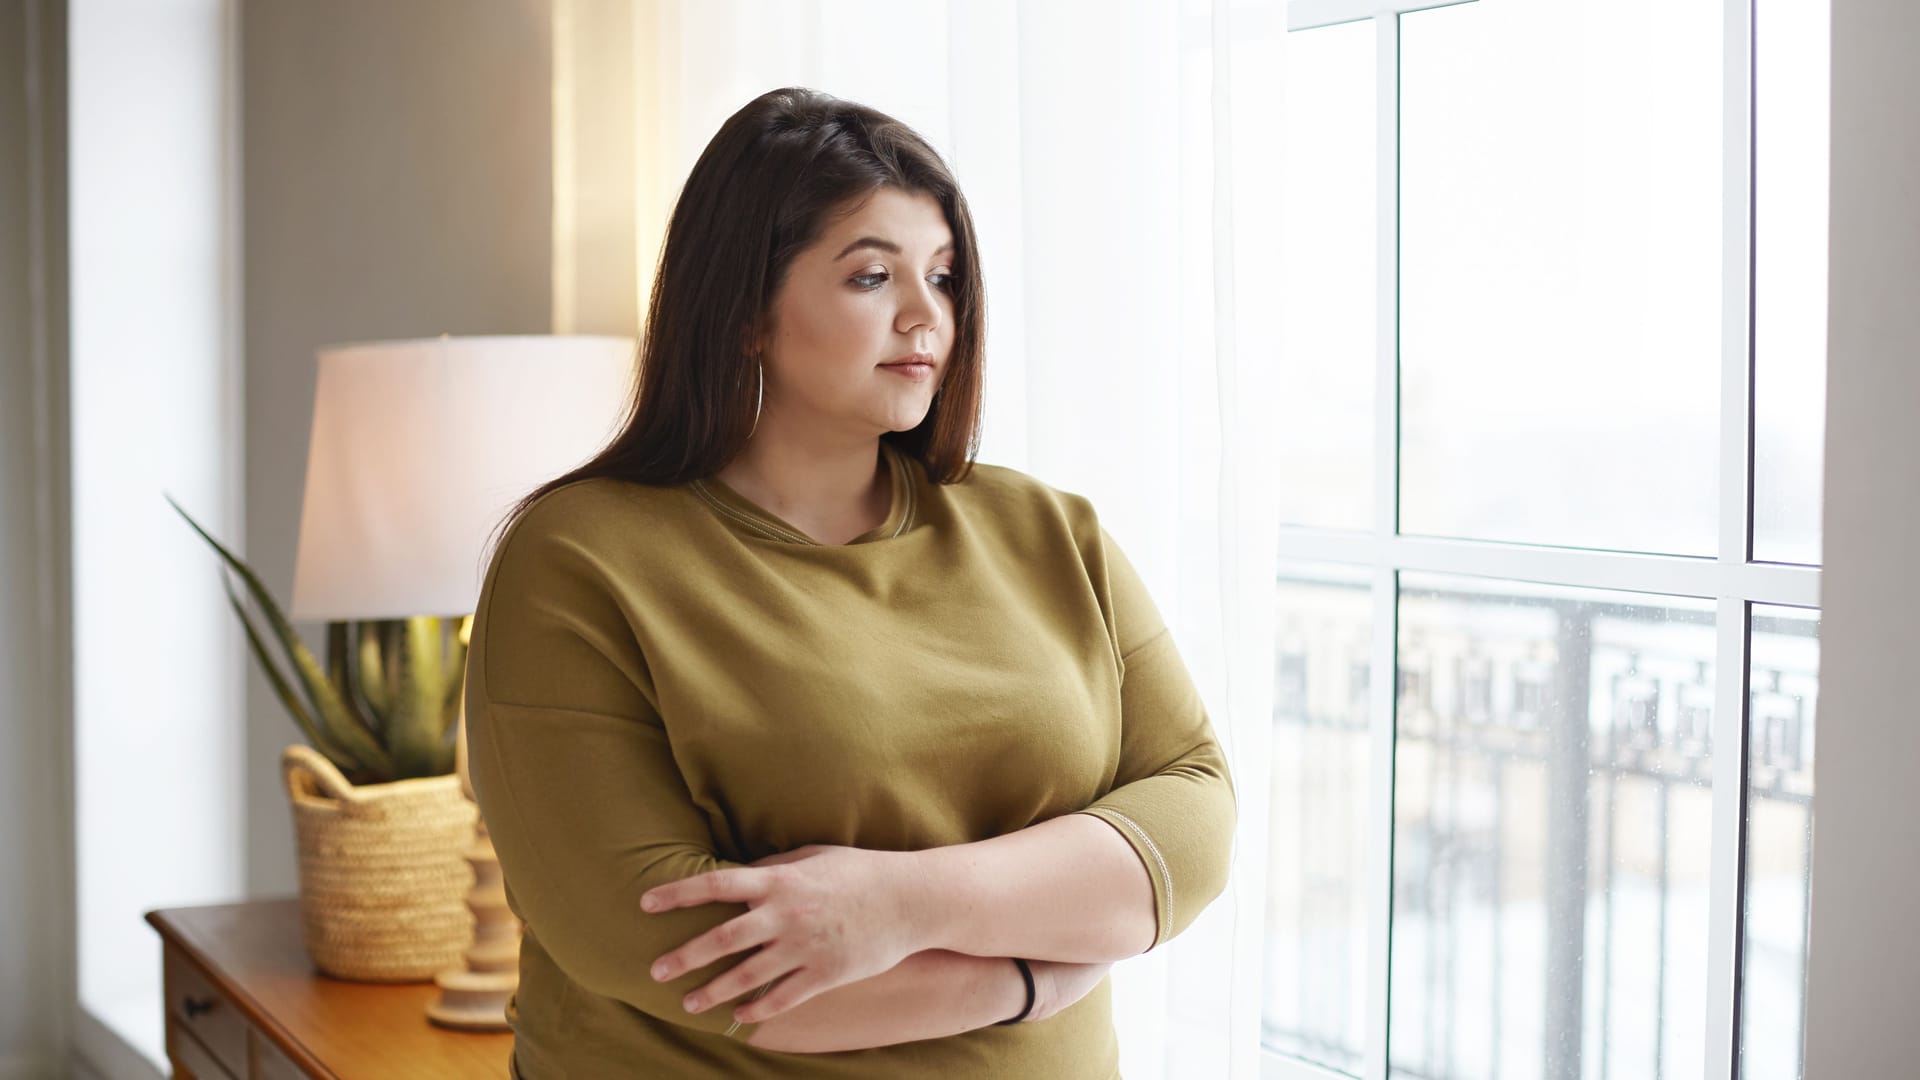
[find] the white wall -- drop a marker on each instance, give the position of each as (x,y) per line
(1864,954)
(155,396)
(36,976)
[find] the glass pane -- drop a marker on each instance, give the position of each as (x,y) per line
(1316,986)
(1561,273)
(1552,821)
(1785,658)
(1328,288)
(1789,276)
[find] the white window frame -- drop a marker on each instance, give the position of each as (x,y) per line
(1732,579)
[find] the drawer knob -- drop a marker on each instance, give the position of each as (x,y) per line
(195,1006)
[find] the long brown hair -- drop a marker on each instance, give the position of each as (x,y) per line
(759,194)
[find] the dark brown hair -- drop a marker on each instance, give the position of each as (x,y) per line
(760,193)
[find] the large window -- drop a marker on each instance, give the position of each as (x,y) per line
(1553,348)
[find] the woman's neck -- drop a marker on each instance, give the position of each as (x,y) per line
(830,492)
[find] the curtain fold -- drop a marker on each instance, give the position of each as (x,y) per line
(1120,163)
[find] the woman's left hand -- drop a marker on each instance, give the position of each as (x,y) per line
(823,916)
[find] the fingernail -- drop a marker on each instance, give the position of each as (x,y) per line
(690,1005)
(659,972)
(648,902)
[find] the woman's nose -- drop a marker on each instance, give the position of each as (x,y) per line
(920,308)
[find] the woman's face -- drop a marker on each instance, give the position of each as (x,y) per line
(876,287)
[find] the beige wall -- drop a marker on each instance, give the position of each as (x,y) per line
(1864,951)
(398,183)
(597,281)
(36,858)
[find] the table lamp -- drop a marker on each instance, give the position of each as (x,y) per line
(419,448)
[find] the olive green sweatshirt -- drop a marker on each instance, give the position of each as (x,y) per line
(664,681)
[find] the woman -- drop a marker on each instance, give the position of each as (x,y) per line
(792,726)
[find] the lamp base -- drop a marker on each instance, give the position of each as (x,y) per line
(474,997)
(473,1000)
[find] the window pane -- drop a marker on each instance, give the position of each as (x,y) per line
(1328,292)
(1790,277)
(1785,658)
(1552,823)
(1561,273)
(1316,992)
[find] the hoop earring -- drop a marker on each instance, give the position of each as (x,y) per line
(759,393)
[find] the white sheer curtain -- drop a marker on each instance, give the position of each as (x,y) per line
(1119,159)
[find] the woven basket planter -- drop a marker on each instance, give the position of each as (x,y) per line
(383,877)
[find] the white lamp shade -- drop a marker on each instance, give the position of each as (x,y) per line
(419,449)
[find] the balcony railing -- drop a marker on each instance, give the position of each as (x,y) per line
(1552,821)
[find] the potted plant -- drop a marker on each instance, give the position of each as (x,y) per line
(379,815)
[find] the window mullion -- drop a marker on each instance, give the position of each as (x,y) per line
(1726,881)
(1384,681)
(1312,14)
(1625,571)
(1726,884)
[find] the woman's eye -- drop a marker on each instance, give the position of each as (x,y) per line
(878,278)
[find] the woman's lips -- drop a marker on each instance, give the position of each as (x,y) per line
(910,370)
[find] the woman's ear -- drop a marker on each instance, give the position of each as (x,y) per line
(751,343)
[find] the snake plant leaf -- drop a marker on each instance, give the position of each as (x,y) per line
(453,673)
(326,699)
(445,687)
(372,673)
(462,637)
(417,731)
(340,674)
(456,670)
(393,661)
(430,647)
(336,656)
(450,712)
(319,739)
(456,675)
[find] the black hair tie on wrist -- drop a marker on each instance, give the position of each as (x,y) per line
(1027,974)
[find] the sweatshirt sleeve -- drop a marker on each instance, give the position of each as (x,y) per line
(575,779)
(1172,798)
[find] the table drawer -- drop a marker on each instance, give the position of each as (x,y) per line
(268,1063)
(200,1008)
(187,1053)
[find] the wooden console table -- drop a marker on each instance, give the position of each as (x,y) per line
(245,1003)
